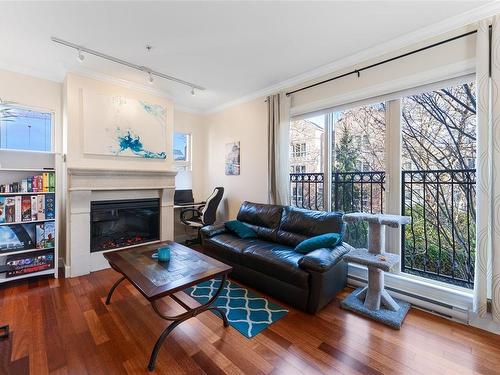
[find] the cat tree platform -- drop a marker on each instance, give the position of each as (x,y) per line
(373,300)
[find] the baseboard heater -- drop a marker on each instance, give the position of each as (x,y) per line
(421,302)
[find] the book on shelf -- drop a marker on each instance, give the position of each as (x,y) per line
(2,210)
(45,235)
(26,208)
(17,208)
(34,208)
(44,182)
(17,237)
(41,207)
(10,209)
(50,206)
(28,263)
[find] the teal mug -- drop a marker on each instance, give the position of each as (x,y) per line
(163,254)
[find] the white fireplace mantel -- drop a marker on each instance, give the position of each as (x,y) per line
(92,184)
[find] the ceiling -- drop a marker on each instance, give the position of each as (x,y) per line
(231,48)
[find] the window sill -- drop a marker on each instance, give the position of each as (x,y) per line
(448,300)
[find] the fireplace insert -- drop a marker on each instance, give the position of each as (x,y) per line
(122,223)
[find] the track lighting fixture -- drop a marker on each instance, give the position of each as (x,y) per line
(141,68)
(80,56)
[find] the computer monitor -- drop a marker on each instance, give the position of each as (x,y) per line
(184,196)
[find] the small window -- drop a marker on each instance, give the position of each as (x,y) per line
(25,129)
(299,150)
(182,151)
(298,169)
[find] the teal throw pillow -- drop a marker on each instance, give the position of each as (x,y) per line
(240,229)
(328,240)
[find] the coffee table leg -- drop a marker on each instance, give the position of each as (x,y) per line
(159,342)
(222,315)
(108,299)
(176,320)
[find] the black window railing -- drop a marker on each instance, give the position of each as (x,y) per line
(358,191)
(440,242)
(307,190)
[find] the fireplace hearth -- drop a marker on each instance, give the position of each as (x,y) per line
(121,223)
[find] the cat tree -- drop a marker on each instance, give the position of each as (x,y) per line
(373,300)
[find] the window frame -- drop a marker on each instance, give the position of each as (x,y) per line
(32,108)
(392,98)
(184,165)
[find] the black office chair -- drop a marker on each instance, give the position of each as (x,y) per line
(197,218)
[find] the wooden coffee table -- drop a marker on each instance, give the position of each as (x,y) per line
(155,280)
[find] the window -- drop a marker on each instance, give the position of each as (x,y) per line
(25,129)
(298,169)
(439,142)
(437,127)
(182,151)
(299,150)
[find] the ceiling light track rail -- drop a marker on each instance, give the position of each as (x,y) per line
(150,72)
(358,71)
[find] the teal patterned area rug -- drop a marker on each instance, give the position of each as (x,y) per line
(246,311)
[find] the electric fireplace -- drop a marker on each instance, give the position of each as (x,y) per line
(122,223)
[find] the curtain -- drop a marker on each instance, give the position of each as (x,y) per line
(278,148)
(487,271)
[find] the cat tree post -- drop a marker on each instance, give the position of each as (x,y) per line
(374,296)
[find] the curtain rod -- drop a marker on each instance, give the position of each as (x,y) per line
(358,71)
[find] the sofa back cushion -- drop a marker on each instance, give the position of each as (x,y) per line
(298,224)
(264,219)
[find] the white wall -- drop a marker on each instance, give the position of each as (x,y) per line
(193,124)
(74,126)
(246,123)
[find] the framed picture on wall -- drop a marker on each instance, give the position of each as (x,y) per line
(233,159)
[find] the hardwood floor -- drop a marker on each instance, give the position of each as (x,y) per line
(63,327)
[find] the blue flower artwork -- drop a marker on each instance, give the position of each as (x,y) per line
(132,142)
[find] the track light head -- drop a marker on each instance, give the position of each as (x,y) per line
(150,78)
(80,56)
(192,91)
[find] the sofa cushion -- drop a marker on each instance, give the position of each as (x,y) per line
(277,261)
(241,229)
(327,240)
(297,224)
(226,246)
(264,219)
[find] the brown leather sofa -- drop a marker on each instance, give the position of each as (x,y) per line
(269,262)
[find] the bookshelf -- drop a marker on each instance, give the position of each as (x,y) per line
(28,214)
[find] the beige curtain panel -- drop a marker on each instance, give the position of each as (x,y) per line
(487,272)
(278,148)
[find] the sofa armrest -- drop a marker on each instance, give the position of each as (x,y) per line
(321,260)
(213,230)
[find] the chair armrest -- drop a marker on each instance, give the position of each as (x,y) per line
(194,213)
(213,230)
(321,260)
